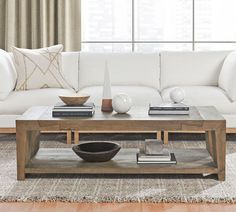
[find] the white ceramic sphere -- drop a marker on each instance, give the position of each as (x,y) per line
(177,95)
(121,103)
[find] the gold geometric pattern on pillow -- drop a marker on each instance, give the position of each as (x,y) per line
(39,68)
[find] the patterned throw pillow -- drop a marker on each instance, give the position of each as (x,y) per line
(39,68)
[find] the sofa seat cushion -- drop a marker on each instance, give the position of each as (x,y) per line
(205,96)
(141,95)
(19,101)
(8,121)
(230,120)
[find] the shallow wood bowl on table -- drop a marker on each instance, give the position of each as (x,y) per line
(74,99)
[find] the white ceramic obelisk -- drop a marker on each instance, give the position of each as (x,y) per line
(107,98)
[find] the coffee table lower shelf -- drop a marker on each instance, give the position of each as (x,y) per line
(64,160)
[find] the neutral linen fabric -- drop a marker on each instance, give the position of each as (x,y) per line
(230,120)
(191,68)
(39,68)
(40,23)
(19,101)
(125,69)
(227,78)
(7,75)
(140,95)
(115,188)
(205,96)
(8,121)
(70,68)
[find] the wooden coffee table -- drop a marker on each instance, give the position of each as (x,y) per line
(34,160)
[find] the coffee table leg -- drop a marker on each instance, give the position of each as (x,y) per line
(76,137)
(209,146)
(219,151)
(166,137)
(158,135)
(68,136)
(27,145)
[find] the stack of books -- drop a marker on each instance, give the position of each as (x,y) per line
(169,109)
(152,155)
(63,110)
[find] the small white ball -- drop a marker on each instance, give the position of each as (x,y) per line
(177,95)
(121,103)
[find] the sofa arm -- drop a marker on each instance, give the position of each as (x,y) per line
(7,74)
(227,77)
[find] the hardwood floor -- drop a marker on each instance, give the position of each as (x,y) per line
(115,207)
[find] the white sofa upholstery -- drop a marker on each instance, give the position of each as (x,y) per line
(230,120)
(147,78)
(140,95)
(205,95)
(70,68)
(191,68)
(19,101)
(135,69)
(8,75)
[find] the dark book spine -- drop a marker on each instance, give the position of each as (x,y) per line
(72,114)
(169,108)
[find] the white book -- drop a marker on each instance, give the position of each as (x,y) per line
(156,162)
(168,112)
(153,158)
(171,161)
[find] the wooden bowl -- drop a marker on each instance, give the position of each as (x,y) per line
(96,151)
(74,99)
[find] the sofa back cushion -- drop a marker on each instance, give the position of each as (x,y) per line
(125,69)
(7,74)
(191,68)
(70,68)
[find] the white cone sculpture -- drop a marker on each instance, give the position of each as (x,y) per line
(107,99)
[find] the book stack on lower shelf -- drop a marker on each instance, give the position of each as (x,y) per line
(169,109)
(155,153)
(63,110)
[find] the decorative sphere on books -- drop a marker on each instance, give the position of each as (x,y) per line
(177,95)
(121,103)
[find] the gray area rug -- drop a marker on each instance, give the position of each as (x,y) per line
(116,188)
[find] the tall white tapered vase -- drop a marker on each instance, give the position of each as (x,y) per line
(107,98)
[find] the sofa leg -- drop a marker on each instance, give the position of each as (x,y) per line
(68,136)
(76,137)
(166,137)
(158,135)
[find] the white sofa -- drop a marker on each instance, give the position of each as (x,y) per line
(145,77)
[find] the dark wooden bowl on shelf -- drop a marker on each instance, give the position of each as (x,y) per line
(96,151)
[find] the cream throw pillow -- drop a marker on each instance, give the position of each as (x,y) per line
(39,68)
